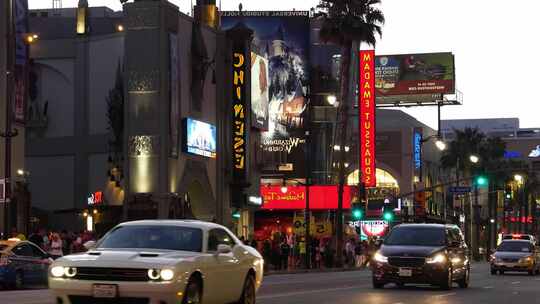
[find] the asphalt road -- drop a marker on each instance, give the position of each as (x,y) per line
(355,287)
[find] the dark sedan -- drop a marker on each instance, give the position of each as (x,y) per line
(22,264)
(422,254)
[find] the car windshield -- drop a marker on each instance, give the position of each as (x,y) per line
(153,237)
(515,247)
(416,236)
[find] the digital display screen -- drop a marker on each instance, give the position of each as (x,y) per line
(199,138)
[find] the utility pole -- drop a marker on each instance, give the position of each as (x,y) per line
(8,133)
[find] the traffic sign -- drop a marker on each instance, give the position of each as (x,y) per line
(460,190)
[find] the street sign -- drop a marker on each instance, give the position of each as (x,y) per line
(460,190)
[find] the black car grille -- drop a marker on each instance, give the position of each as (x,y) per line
(510,260)
(406,261)
(112,274)
(92,300)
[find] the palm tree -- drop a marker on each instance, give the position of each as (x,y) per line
(345,22)
(490,150)
(467,142)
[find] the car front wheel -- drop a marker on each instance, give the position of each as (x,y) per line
(464,282)
(446,284)
(193,292)
(377,284)
(248,293)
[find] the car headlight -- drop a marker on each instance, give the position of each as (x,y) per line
(526,260)
(166,274)
(70,272)
(380,258)
(57,271)
(154,274)
(436,259)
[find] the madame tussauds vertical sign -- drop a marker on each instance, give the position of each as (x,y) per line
(367,117)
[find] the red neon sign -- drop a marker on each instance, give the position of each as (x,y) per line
(320,197)
(366,108)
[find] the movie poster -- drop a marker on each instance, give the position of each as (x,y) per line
(259,90)
(281,41)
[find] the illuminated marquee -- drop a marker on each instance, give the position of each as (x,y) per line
(239,114)
(367,117)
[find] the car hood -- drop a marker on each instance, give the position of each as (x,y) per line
(411,251)
(126,258)
(511,254)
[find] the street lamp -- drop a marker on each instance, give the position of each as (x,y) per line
(518,178)
(331,99)
(284,189)
(474,159)
(441,145)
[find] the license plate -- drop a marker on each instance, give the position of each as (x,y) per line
(405,272)
(104,291)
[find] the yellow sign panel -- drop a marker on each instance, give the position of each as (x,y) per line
(317,229)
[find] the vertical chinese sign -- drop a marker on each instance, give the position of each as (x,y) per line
(367,117)
(239,113)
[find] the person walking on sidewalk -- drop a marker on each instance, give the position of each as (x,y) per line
(285,251)
(267,253)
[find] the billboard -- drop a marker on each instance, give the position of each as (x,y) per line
(281,42)
(367,117)
(199,138)
(370,229)
(426,76)
(259,90)
(320,197)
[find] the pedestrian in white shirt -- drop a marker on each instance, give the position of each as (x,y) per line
(56,246)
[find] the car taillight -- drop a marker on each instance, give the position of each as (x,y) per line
(4,260)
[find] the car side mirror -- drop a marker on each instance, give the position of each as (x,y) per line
(223,249)
(89,245)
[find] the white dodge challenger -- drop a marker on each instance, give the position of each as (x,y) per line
(160,262)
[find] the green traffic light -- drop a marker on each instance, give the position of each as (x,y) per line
(481,181)
(388,216)
(236,215)
(357,214)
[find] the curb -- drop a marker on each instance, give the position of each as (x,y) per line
(303,271)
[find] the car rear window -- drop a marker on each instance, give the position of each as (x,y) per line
(153,237)
(416,236)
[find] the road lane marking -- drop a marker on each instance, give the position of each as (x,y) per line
(488,287)
(445,295)
(298,293)
(515,282)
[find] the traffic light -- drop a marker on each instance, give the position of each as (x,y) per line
(481,180)
(357,211)
(388,214)
(508,193)
(236,214)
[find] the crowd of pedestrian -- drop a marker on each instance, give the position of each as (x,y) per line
(57,243)
(285,252)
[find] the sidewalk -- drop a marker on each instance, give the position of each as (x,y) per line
(321,270)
